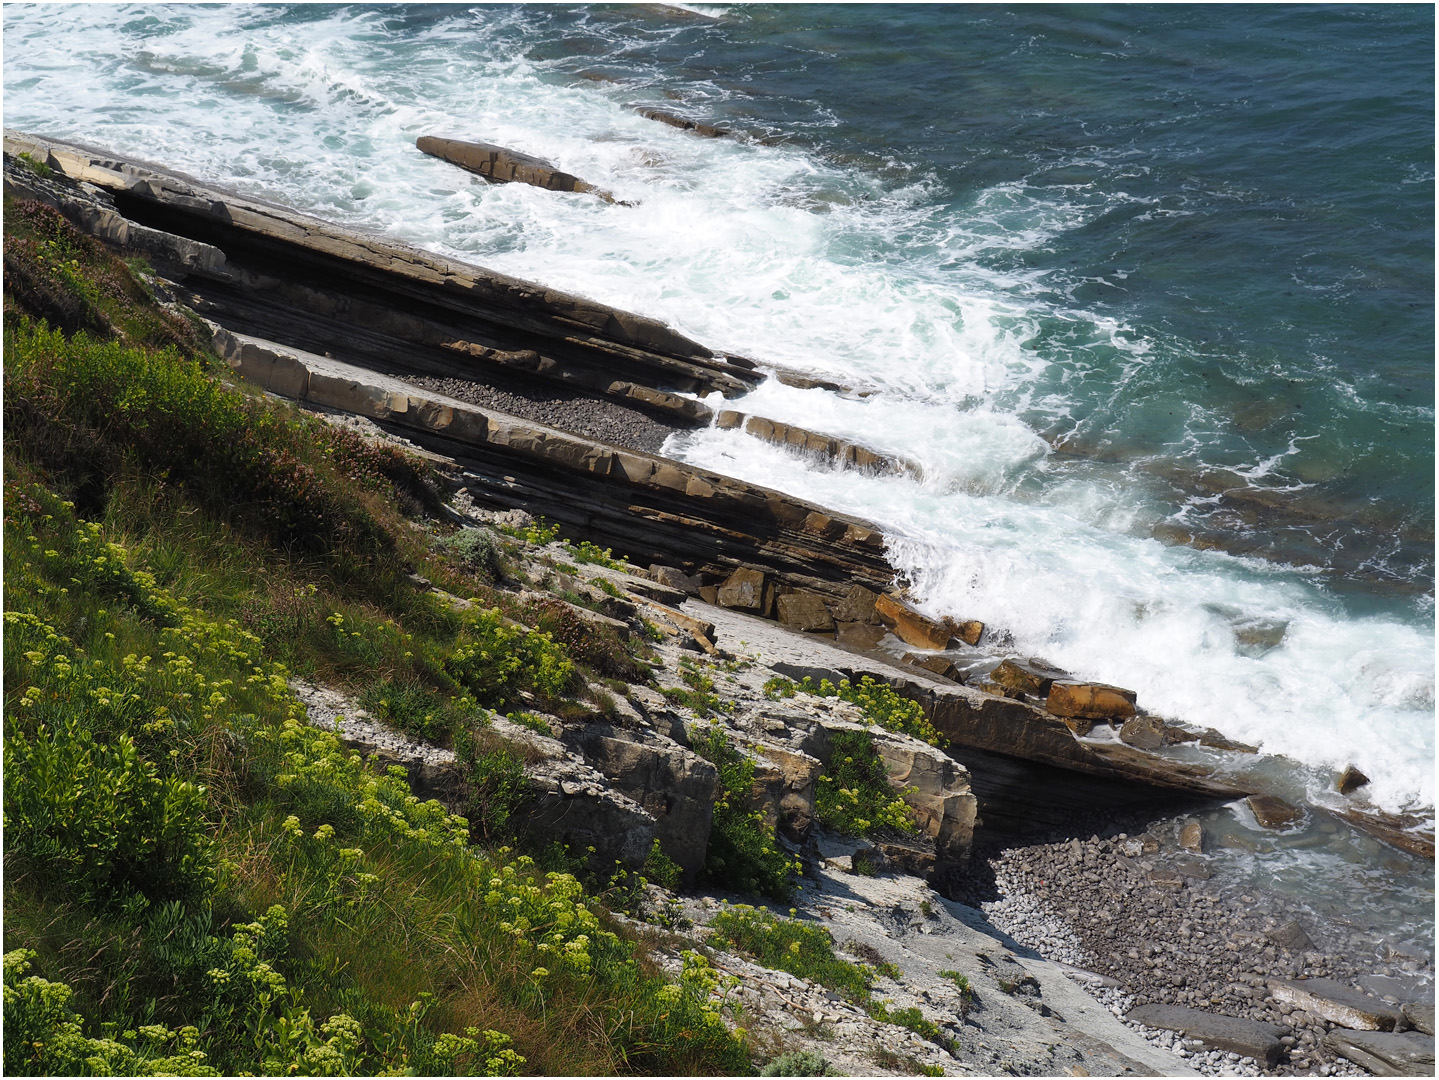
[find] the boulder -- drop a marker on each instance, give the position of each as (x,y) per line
(676,579)
(1091,701)
(499,165)
(748,590)
(858,635)
(1191,837)
(675,786)
(1032,678)
(1339,1004)
(968,631)
(805,610)
(1273,812)
(910,626)
(728,419)
(1292,937)
(942,666)
(573,804)
(1351,780)
(1421,1016)
(784,782)
(858,606)
(1250,1038)
(1408,1053)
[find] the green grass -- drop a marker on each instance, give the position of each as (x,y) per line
(879,703)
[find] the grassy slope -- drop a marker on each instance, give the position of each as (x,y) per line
(194,871)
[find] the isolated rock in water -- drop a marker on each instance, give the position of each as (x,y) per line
(1339,1004)
(748,590)
(968,631)
(805,610)
(1273,812)
(1256,637)
(1092,701)
(1032,678)
(709,131)
(1250,1038)
(1408,1053)
(1292,937)
(1351,779)
(499,165)
(1191,837)
(910,626)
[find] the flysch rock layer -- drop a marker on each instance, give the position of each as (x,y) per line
(264,269)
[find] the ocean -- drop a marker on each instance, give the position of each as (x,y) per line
(1148,292)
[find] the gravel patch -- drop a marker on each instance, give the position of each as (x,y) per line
(569,410)
(1115,904)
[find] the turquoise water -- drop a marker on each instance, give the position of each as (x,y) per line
(1148,292)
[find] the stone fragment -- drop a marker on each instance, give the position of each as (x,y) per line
(1092,701)
(910,626)
(1292,937)
(710,594)
(1421,1016)
(968,631)
(1339,1004)
(674,578)
(942,666)
(858,606)
(728,419)
(748,590)
(1408,1053)
(805,610)
(1350,780)
(1273,812)
(1191,836)
(858,635)
(1144,732)
(1249,1038)
(1033,677)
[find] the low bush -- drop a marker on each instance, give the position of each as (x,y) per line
(743,853)
(799,947)
(880,704)
(854,796)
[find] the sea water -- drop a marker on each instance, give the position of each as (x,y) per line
(1146,292)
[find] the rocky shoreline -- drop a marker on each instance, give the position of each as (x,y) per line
(1049,826)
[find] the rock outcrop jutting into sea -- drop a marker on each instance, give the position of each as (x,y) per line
(343,320)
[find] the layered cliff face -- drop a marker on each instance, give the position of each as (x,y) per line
(343,321)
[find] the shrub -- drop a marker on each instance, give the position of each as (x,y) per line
(478,550)
(799,1063)
(742,854)
(801,948)
(101,822)
(496,780)
(880,704)
(497,661)
(854,796)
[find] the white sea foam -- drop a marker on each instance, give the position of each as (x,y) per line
(776,253)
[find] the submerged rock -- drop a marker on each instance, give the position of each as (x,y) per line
(1273,812)
(1339,1004)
